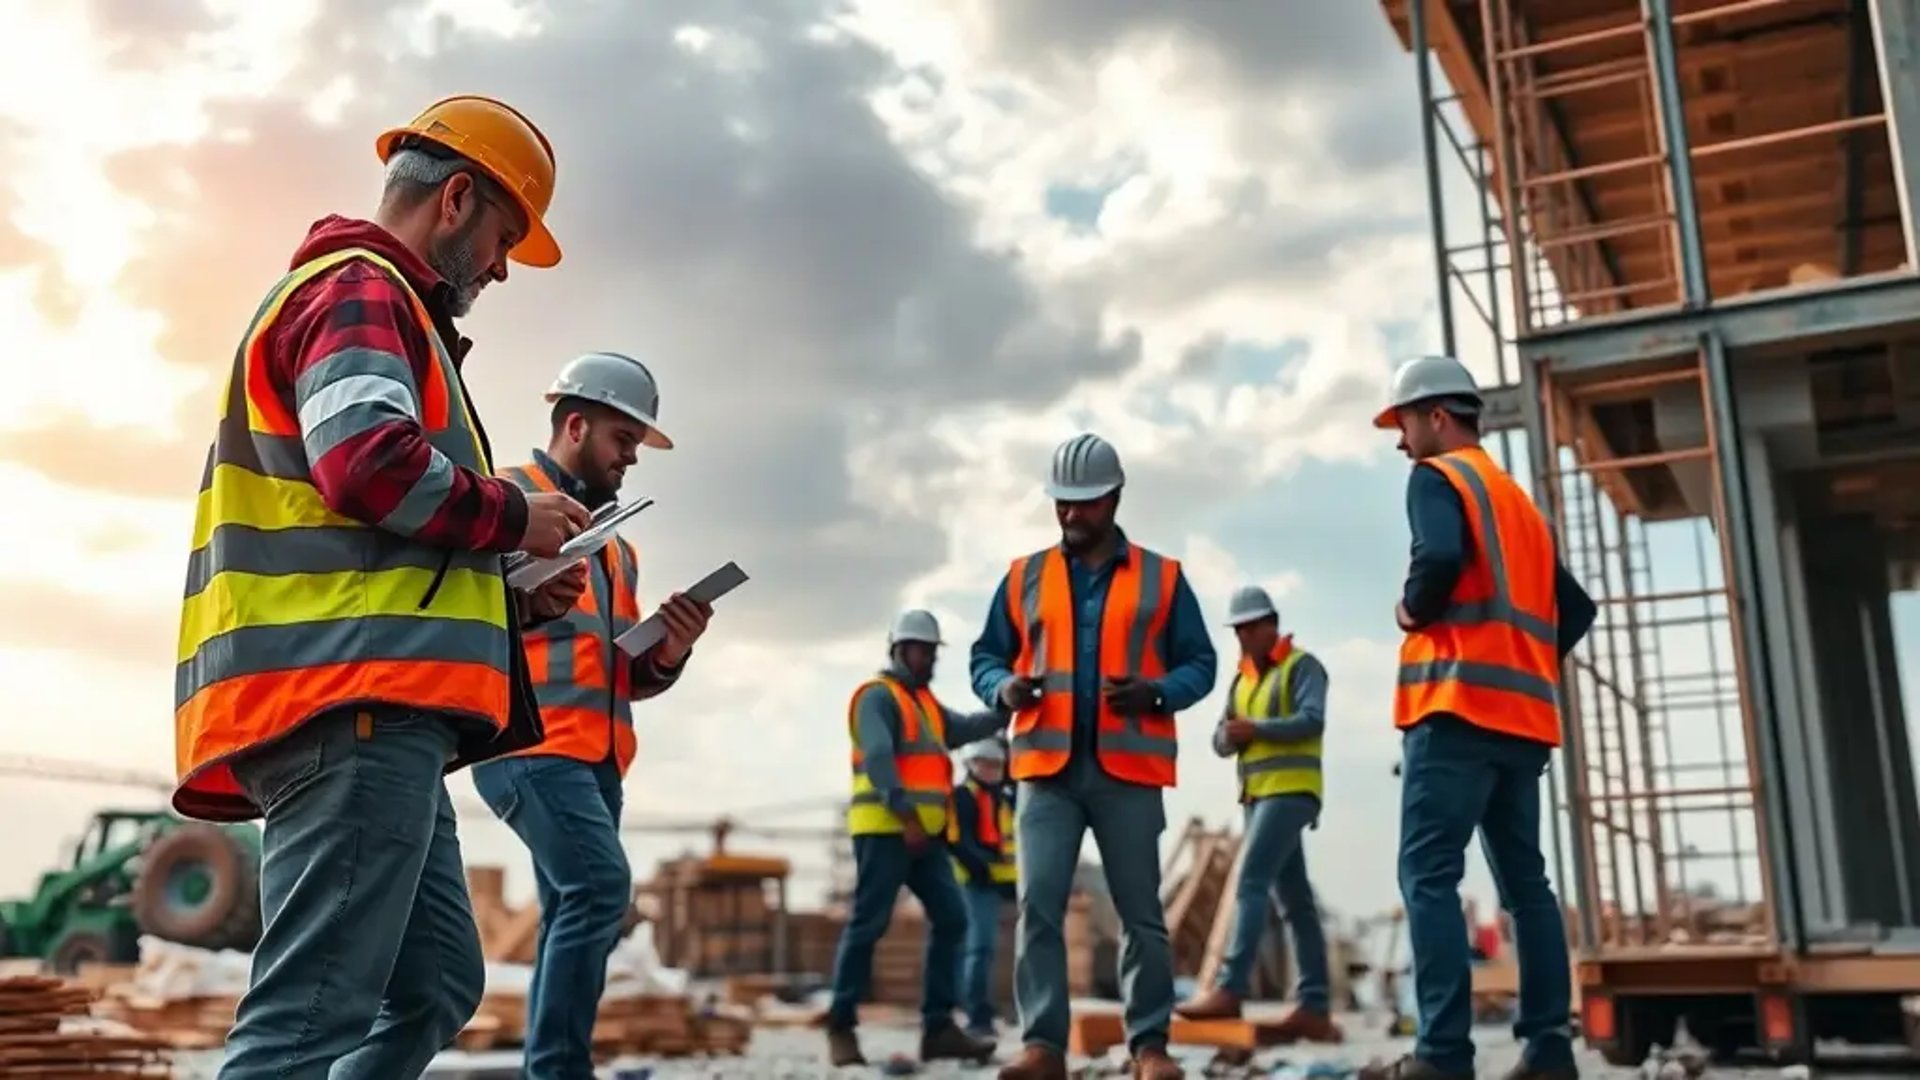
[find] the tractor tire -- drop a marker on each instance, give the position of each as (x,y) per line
(199,886)
(81,947)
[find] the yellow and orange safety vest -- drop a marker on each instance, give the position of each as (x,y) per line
(292,609)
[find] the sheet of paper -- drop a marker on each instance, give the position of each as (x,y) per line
(526,572)
(707,590)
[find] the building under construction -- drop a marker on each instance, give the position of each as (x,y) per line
(1687,232)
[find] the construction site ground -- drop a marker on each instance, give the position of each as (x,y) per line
(793,1052)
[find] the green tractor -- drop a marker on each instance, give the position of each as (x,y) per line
(140,872)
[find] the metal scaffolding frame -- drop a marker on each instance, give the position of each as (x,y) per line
(1573,333)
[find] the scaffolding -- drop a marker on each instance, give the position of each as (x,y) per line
(1644,177)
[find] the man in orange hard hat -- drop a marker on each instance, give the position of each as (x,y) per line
(1488,614)
(347,635)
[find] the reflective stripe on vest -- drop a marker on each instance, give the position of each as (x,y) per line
(993,822)
(584,684)
(1139,749)
(1274,766)
(290,608)
(1491,659)
(919,754)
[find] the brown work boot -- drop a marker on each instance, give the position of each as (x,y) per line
(1152,1063)
(1036,1063)
(1406,1068)
(948,1041)
(1218,1003)
(843,1048)
(1305,1025)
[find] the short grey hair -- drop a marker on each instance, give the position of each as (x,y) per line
(414,172)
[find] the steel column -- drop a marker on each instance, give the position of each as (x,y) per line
(1896,31)
(1678,148)
(1744,574)
(1430,145)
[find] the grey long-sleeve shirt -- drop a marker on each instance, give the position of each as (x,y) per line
(877,723)
(1307,720)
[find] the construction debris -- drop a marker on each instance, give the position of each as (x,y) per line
(47,1031)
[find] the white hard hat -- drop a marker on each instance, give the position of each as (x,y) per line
(1084,467)
(984,750)
(618,382)
(1425,377)
(1249,602)
(915,625)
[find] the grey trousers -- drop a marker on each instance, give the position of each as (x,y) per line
(1053,815)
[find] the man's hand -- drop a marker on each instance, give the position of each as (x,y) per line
(915,834)
(686,620)
(1239,731)
(1404,620)
(553,518)
(1020,692)
(557,595)
(1129,696)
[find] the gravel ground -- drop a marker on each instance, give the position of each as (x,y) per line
(793,1053)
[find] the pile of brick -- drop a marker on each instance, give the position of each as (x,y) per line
(47,1030)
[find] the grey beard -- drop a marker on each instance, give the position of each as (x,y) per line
(453,260)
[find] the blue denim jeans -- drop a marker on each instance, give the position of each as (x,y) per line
(1053,817)
(1273,861)
(976,968)
(1456,778)
(882,865)
(369,962)
(567,812)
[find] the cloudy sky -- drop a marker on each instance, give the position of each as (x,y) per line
(882,254)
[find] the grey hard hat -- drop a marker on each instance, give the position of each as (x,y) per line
(1084,467)
(1425,377)
(1249,602)
(915,625)
(618,382)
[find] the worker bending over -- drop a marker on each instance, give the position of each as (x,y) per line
(981,832)
(1095,643)
(1273,722)
(563,797)
(347,636)
(902,790)
(1489,614)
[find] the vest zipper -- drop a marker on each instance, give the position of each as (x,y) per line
(446,561)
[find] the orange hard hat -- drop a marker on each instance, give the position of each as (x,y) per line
(506,146)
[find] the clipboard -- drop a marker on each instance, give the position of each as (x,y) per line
(651,630)
(526,572)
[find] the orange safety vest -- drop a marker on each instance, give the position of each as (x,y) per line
(1492,659)
(292,609)
(582,681)
(1139,749)
(993,822)
(920,755)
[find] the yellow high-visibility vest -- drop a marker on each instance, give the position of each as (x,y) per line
(1270,767)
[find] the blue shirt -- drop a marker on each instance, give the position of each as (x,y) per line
(1442,543)
(1187,647)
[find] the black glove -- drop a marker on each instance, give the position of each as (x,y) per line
(1131,697)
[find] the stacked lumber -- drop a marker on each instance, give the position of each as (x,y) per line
(721,914)
(663,1025)
(507,933)
(47,1031)
(177,995)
